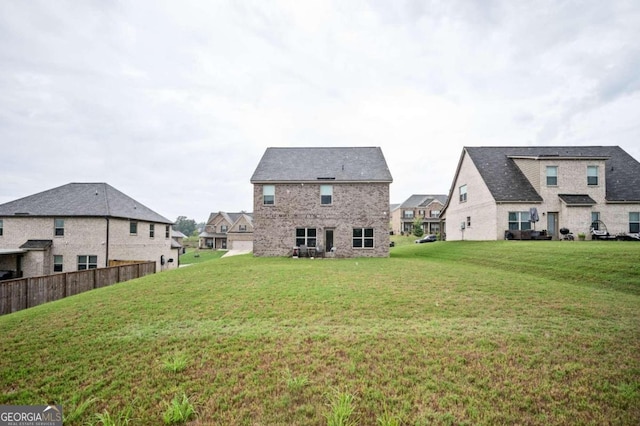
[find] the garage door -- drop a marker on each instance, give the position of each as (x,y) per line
(242,245)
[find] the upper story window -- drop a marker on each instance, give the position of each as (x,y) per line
(463,193)
(58,225)
(552,175)
(634,222)
(152,230)
(1,228)
(167,231)
(592,175)
(242,228)
(223,228)
(268,194)
(133,227)
(519,221)
(362,237)
(408,214)
(435,213)
(326,195)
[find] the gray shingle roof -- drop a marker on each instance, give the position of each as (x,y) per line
(81,199)
(507,182)
(37,244)
(330,164)
(422,200)
(577,199)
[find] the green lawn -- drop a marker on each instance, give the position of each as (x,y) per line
(444,333)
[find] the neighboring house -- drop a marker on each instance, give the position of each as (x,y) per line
(81,226)
(425,207)
(228,231)
(333,200)
(178,238)
(495,189)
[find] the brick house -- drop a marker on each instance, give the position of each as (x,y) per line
(81,226)
(332,200)
(425,207)
(495,189)
(227,231)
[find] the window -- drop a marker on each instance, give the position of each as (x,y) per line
(242,228)
(326,195)
(133,227)
(463,193)
(468,221)
(167,231)
(519,221)
(57,263)
(634,222)
(408,214)
(435,213)
(152,230)
(592,175)
(223,228)
(595,217)
(1,228)
(59,227)
(362,237)
(421,213)
(87,262)
(268,194)
(552,175)
(306,237)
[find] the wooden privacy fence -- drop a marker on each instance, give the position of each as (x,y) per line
(24,293)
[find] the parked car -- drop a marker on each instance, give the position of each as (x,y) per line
(426,239)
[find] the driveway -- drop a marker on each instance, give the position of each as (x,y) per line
(236,252)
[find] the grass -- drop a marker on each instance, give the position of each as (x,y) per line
(199,256)
(482,333)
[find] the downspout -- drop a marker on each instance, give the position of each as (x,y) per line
(106,250)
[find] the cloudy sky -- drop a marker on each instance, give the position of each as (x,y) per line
(174,102)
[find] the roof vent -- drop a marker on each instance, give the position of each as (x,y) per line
(326,178)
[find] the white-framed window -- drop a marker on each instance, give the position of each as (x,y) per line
(87,262)
(167,231)
(519,221)
(463,193)
(223,228)
(435,213)
(552,175)
(152,230)
(362,237)
(634,222)
(242,228)
(326,195)
(592,175)
(133,227)
(468,221)
(1,228)
(268,194)
(57,263)
(58,225)
(408,214)
(306,237)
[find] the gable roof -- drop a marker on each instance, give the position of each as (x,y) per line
(422,200)
(329,164)
(82,200)
(506,182)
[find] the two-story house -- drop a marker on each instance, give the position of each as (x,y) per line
(496,189)
(334,200)
(418,206)
(227,231)
(81,226)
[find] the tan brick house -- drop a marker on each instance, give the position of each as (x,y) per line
(574,187)
(81,226)
(425,207)
(334,201)
(227,231)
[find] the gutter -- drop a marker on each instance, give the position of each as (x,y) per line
(106,250)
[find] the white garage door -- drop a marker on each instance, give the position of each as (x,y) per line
(242,245)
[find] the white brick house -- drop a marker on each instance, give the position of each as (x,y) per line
(81,226)
(332,200)
(495,188)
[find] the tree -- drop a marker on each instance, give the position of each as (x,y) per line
(417,227)
(184,225)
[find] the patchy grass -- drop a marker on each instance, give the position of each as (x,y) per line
(504,332)
(198,256)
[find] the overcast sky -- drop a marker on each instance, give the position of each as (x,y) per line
(174,102)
